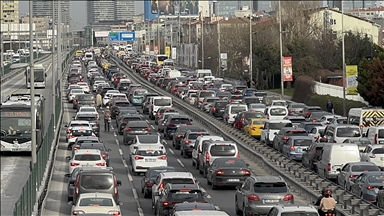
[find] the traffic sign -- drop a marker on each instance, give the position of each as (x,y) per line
(113,36)
(127,36)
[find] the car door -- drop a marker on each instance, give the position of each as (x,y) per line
(366,153)
(342,175)
(211,169)
(247,126)
(241,193)
(356,184)
(264,132)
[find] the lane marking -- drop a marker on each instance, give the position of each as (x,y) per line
(135,193)
(152,127)
(181,163)
(117,142)
(171,151)
(141,213)
(217,208)
(121,152)
(147,121)
(130,177)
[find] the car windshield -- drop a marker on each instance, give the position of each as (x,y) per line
(86,97)
(155,172)
(278,112)
(194,136)
(205,94)
(163,102)
(81,132)
(96,202)
(232,163)
(98,146)
(258,106)
(179,121)
(223,150)
(236,110)
(278,126)
(302,142)
(308,127)
(376,178)
(364,168)
(101,182)
(270,187)
(87,157)
(149,152)
(348,132)
(87,109)
(186,194)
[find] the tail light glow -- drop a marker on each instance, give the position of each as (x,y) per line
(219,172)
(246,172)
(77,212)
(238,155)
(253,197)
(207,158)
(288,197)
(100,164)
(75,164)
(138,158)
(163,157)
(128,129)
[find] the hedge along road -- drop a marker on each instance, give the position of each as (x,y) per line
(308,183)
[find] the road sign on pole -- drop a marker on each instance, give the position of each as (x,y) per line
(127,36)
(113,36)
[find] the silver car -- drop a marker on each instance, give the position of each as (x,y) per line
(350,170)
(160,124)
(366,185)
(295,146)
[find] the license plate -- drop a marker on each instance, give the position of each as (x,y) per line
(381,141)
(299,150)
(150,160)
(270,201)
(233,180)
(138,131)
(16,149)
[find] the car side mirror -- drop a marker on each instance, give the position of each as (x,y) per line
(71,203)
(68,157)
(67,175)
(338,170)
(120,203)
(73,117)
(119,183)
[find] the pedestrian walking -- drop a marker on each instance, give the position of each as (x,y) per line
(107,118)
(330,106)
(99,101)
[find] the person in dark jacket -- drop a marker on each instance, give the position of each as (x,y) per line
(330,106)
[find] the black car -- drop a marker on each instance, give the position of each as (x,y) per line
(227,172)
(162,110)
(116,106)
(218,107)
(125,119)
(92,118)
(134,128)
(123,86)
(296,109)
(173,122)
(177,193)
(104,90)
(123,111)
(180,132)
(149,179)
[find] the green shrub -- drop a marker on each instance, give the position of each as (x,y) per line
(321,101)
(304,88)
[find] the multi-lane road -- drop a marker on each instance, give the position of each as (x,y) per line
(15,168)
(130,191)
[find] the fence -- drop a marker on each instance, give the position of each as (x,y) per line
(27,200)
(7,68)
(336,91)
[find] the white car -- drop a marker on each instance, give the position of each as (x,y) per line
(86,157)
(78,131)
(270,128)
(326,119)
(73,94)
(84,86)
(88,109)
(97,82)
(142,159)
(73,86)
(96,203)
(374,154)
(108,96)
(75,123)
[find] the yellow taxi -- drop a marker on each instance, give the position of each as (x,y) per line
(79,53)
(253,127)
(106,65)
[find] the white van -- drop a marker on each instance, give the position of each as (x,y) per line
(88,56)
(276,112)
(337,133)
(231,110)
(200,213)
(208,79)
(375,135)
(334,156)
(279,103)
(198,148)
(157,102)
(270,128)
(174,74)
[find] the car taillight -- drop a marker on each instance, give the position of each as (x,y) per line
(291,110)
(352,176)
(128,129)
(292,148)
(70,137)
(334,141)
(253,197)
(104,155)
(246,172)
(230,101)
(149,184)
(74,101)
(371,187)
(77,212)
(163,157)
(285,138)
(100,164)
(186,142)
(219,172)
(288,197)
(214,109)
(114,212)
(124,122)
(329,167)
(253,128)
(138,158)
(158,114)
(74,164)
(147,129)
(189,98)
(70,94)
(372,156)
(238,155)
(171,125)
(75,148)
(207,158)
(180,136)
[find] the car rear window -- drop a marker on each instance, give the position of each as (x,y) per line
(96,182)
(348,132)
(364,168)
(251,100)
(87,118)
(236,110)
(223,150)
(80,132)
(378,151)
(162,102)
(210,100)
(299,213)
(278,126)
(232,163)
(87,109)
(205,94)
(278,112)
(148,139)
(376,178)
(178,181)
(194,136)
(122,104)
(185,194)
(296,106)
(96,202)
(221,104)
(302,142)
(270,187)
(86,97)
(79,124)
(93,146)
(297,133)
(149,152)
(179,121)
(297,120)
(380,133)
(135,124)
(156,172)
(132,118)
(87,141)
(87,157)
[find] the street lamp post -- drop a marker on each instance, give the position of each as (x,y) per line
(53,64)
(202,37)
(343,56)
(32,88)
(281,52)
(1,53)
(250,44)
(218,38)
(158,36)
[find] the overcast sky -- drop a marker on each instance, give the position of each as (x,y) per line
(78,12)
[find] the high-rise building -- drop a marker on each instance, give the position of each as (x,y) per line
(44,8)
(351,4)
(9,12)
(109,10)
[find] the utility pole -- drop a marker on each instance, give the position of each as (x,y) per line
(250,44)
(58,64)
(1,54)
(158,36)
(218,37)
(189,26)
(32,77)
(343,56)
(53,64)
(202,37)
(281,51)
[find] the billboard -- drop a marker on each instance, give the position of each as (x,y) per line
(165,8)
(351,74)
(287,67)
(100,34)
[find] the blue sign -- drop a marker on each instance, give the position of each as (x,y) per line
(127,36)
(113,36)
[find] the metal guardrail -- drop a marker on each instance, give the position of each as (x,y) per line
(304,181)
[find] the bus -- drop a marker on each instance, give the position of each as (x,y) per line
(160,59)
(40,76)
(366,117)
(16,127)
(201,73)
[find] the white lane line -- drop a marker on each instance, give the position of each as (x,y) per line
(117,142)
(181,163)
(120,152)
(125,163)
(171,151)
(141,213)
(158,134)
(130,177)
(135,193)
(141,116)
(152,127)
(147,121)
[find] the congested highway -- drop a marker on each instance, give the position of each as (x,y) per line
(15,168)
(130,191)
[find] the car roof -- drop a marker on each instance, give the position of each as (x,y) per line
(86,113)
(307,208)
(79,122)
(81,127)
(87,138)
(300,137)
(278,121)
(83,151)
(176,175)
(96,194)
(268,178)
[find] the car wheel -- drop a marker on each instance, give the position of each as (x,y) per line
(208,182)
(244,211)
(204,172)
